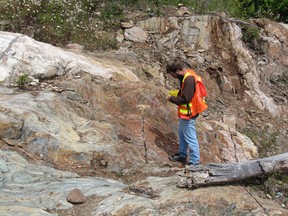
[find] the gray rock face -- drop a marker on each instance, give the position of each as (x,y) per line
(32,189)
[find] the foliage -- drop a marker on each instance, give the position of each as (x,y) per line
(275,185)
(250,34)
(273,181)
(22,80)
(265,141)
(66,21)
(273,9)
(111,14)
(58,22)
(101,41)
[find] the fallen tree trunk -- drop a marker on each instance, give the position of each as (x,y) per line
(218,173)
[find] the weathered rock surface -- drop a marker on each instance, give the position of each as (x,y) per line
(21,54)
(75,127)
(136,34)
(31,189)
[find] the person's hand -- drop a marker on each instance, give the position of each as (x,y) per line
(173,93)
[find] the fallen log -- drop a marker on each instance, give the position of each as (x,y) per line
(219,173)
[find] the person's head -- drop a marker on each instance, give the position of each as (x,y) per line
(175,66)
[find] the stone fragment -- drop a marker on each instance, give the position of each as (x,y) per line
(76,196)
(120,37)
(126,25)
(136,34)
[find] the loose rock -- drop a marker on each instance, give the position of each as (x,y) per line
(76,196)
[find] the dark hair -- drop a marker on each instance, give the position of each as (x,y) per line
(174,65)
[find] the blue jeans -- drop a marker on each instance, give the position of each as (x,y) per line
(188,138)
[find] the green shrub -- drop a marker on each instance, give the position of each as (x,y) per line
(55,21)
(272,9)
(22,80)
(111,15)
(101,41)
(275,182)
(250,34)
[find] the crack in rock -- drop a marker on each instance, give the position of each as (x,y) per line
(9,47)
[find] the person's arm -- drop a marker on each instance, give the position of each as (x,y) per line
(187,92)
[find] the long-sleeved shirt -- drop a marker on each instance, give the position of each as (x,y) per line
(187,92)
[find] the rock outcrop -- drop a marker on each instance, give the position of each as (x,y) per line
(95,116)
(32,189)
(106,114)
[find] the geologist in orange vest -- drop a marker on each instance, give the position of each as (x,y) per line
(190,101)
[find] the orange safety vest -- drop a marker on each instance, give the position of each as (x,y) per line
(197,104)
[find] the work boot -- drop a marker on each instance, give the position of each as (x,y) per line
(176,157)
(190,163)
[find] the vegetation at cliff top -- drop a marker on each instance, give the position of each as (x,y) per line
(87,22)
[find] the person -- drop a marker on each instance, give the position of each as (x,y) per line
(187,119)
